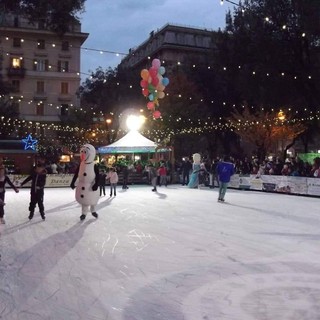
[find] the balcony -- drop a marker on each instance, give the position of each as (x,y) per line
(16,72)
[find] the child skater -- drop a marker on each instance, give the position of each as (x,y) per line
(3,180)
(38,178)
(113,177)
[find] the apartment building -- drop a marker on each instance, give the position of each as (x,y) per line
(171,44)
(42,67)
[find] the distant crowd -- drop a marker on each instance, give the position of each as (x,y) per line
(270,166)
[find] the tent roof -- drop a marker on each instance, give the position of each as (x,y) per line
(132,142)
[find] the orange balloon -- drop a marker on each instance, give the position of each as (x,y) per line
(144,74)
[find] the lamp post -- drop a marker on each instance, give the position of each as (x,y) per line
(108,123)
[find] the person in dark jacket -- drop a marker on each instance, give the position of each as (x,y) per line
(102,182)
(3,180)
(225,169)
(125,172)
(38,181)
(185,170)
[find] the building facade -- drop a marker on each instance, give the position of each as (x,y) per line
(171,44)
(42,68)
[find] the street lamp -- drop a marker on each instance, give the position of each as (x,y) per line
(281,115)
(135,122)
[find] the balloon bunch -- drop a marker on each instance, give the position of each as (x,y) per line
(153,84)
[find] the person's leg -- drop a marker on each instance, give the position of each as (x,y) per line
(115,189)
(110,189)
(40,195)
(2,208)
(93,211)
(32,205)
(100,188)
(154,184)
(223,188)
(84,211)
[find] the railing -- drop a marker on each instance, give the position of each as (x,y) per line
(16,72)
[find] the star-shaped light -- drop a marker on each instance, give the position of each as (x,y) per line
(29,143)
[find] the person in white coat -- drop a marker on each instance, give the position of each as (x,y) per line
(87,174)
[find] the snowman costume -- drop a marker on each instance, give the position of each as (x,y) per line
(87,193)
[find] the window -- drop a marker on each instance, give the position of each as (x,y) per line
(16,42)
(40,65)
(15,85)
(41,44)
(16,107)
(64,87)
(64,109)
(42,24)
(16,63)
(65,46)
(40,86)
(16,22)
(63,66)
(40,109)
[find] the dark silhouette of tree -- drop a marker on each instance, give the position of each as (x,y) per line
(268,131)
(57,16)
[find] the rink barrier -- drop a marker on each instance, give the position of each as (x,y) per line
(267,183)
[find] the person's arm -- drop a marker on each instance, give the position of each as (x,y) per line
(96,183)
(26,180)
(7,180)
(75,177)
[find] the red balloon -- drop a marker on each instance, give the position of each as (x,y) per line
(150,105)
(155,81)
(153,72)
(156,114)
(145,92)
(144,83)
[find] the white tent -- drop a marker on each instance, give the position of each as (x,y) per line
(132,142)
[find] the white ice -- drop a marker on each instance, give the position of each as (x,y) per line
(173,255)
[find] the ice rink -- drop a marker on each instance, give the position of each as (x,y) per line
(176,254)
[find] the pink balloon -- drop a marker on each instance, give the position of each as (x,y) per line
(156,63)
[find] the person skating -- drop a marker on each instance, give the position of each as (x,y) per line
(4,179)
(102,182)
(113,177)
(87,174)
(153,175)
(225,169)
(38,182)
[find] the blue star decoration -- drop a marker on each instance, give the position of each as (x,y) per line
(29,143)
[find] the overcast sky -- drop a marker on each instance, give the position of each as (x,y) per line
(118,25)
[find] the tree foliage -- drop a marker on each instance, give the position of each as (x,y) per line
(268,131)
(272,50)
(57,15)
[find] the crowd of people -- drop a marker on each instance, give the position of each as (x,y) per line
(195,173)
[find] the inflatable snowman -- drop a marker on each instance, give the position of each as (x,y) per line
(87,173)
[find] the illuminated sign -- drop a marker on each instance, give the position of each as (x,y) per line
(29,143)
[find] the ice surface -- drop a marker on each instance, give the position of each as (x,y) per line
(173,255)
